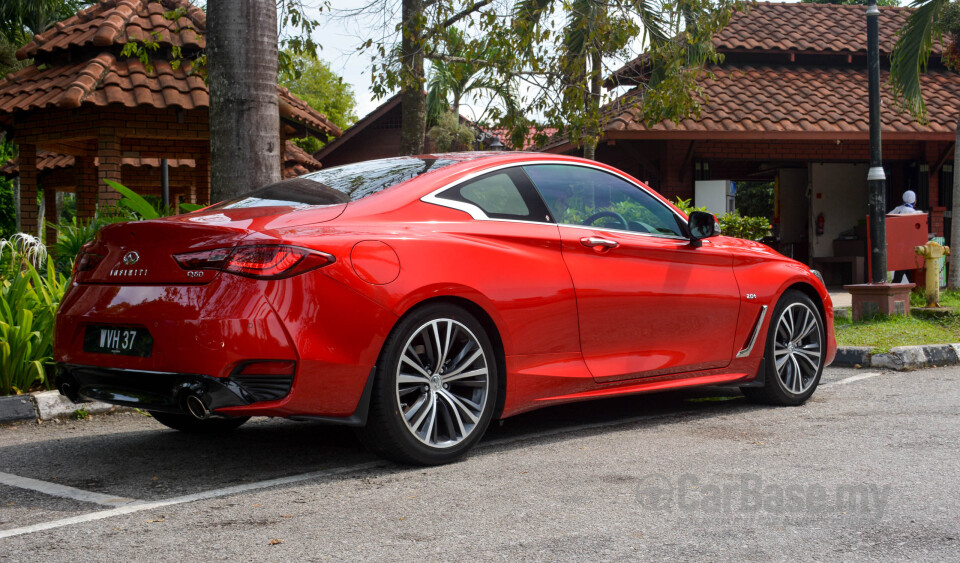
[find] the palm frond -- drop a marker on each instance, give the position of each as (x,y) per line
(911,54)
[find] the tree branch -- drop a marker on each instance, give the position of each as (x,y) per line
(474,7)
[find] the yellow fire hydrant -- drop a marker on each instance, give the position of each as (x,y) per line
(931,252)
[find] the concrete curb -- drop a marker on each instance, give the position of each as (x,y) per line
(46,405)
(901,357)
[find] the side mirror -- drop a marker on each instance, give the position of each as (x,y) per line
(702,225)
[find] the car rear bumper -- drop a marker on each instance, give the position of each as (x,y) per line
(151,390)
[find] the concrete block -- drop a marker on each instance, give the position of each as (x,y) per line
(852,355)
(17,407)
(886,361)
(912,357)
(941,355)
(51,404)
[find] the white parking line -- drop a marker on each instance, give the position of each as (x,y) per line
(853,378)
(58,490)
(140,506)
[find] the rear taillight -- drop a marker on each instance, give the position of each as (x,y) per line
(85,261)
(261,261)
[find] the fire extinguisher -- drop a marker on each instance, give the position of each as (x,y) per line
(820,224)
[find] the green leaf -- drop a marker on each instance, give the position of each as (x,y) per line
(134,201)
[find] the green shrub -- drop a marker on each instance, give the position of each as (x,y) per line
(733,224)
(736,225)
(28,305)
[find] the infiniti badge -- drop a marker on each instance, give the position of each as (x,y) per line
(131,258)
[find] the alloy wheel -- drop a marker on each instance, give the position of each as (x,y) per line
(442,383)
(798,348)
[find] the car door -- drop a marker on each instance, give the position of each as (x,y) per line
(649,303)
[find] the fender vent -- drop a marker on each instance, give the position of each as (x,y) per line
(753,334)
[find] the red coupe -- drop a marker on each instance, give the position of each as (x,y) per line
(419,298)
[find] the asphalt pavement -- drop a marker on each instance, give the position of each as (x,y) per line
(867,469)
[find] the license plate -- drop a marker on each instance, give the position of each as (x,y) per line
(118,340)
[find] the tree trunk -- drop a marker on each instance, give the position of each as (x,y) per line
(953,273)
(244,111)
(593,108)
(413,116)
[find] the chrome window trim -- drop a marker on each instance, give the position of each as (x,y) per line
(478,214)
(753,337)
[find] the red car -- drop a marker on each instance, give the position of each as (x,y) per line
(419,298)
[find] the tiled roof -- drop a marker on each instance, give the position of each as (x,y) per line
(105,80)
(101,81)
(807,29)
(785,101)
(116,22)
(297,161)
(300,111)
(109,79)
(824,28)
(47,160)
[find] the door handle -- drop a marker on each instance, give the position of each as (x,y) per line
(598,243)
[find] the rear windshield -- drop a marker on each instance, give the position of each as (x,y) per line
(361,179)
(340,184)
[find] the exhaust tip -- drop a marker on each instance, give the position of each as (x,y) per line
(196,407)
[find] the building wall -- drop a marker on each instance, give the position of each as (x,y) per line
(839,192)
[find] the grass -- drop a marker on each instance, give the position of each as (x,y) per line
(947,299)
(884,333)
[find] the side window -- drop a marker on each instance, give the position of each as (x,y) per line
(496,194)
(504,194)
(577,195)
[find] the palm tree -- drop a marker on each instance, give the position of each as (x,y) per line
(20,20)
(594,30)
(931,20)
(244,112)
(450,81)
(587,37)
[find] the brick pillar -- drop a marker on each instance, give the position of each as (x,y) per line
(202,172)
(192,192)
(108,168)
(51,216)
(86,187)
(28,189)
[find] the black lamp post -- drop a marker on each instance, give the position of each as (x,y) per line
(876,179)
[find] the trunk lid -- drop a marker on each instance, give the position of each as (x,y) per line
(142,252)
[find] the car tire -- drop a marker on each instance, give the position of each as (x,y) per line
(435,387)
(794,352)
(187,423)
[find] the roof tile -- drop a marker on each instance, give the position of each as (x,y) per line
(825,28)
(775,99)
(112,22)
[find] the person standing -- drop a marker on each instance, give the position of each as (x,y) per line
(909,199)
